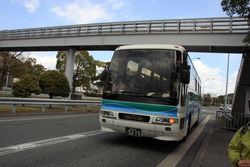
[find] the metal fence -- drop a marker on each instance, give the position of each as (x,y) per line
(200,25)
(229,120)
(47,102)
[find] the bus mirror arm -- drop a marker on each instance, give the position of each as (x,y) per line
(104,75)
(105,71)
(185,74)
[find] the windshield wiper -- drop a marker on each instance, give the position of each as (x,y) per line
(130,92)
(122,92)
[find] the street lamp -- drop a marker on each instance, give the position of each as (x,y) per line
(204,89)
(196,58)
(225,103)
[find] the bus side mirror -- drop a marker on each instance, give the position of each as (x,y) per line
(185,74)
(105,71)
(249,104)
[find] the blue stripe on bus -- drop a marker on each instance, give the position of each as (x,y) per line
(171,112)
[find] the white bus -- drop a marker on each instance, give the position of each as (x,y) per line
(150,91)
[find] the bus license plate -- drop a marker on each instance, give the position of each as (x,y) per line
(133,132)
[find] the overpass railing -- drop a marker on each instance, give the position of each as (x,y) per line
(201,25)
(47,102)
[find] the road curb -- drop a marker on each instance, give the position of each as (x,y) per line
(198,160)
(177,154)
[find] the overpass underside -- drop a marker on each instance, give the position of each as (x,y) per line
(242,87)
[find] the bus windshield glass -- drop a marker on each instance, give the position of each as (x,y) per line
(144,75)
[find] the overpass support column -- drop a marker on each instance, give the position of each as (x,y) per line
(247,107)
(69,69)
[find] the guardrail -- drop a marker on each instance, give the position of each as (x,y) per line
(47,102)
(229,120)
(200,25)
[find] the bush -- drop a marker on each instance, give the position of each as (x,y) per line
(54,83)
(28,84)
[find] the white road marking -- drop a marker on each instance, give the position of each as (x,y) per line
(47,142)
(176,155)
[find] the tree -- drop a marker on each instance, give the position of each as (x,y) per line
(207,99)
(17,64)
(84,69)
(7,60)
(238,7)
(97,79)
(27,84)
(26,65)
(221,99)
(54,83)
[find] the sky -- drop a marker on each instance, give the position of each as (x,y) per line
(211,67)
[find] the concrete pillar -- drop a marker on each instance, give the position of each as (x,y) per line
(247,109)
(69,69)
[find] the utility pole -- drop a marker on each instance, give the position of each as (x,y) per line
(225,103)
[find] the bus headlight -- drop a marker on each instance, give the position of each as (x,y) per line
(108,114)
(166,120)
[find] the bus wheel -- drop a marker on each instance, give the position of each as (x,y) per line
(189,124)
(184,139)
(197,121)
(188,130)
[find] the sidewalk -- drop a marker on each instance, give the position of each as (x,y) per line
(213,152)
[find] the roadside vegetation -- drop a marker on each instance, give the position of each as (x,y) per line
(22,77)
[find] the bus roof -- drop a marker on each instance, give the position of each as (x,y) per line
(151,46)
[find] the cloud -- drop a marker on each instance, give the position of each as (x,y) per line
(47,59)
(116,4)
(212,80)
(82,12)
(30,5)
(234,74)
(87,11)
(204,71)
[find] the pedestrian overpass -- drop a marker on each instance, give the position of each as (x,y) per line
(242,86)
(218,35)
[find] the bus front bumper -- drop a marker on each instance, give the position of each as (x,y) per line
(157,131)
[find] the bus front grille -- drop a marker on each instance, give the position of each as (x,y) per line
(134,117)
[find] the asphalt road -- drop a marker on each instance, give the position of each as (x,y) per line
(75,140)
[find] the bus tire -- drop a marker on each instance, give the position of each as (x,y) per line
(189,124)
(188,129)
(184,139)
(197,121)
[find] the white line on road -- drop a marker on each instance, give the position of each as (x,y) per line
(47,142)
(176,155)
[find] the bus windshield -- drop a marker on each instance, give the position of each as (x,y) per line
(144,75)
